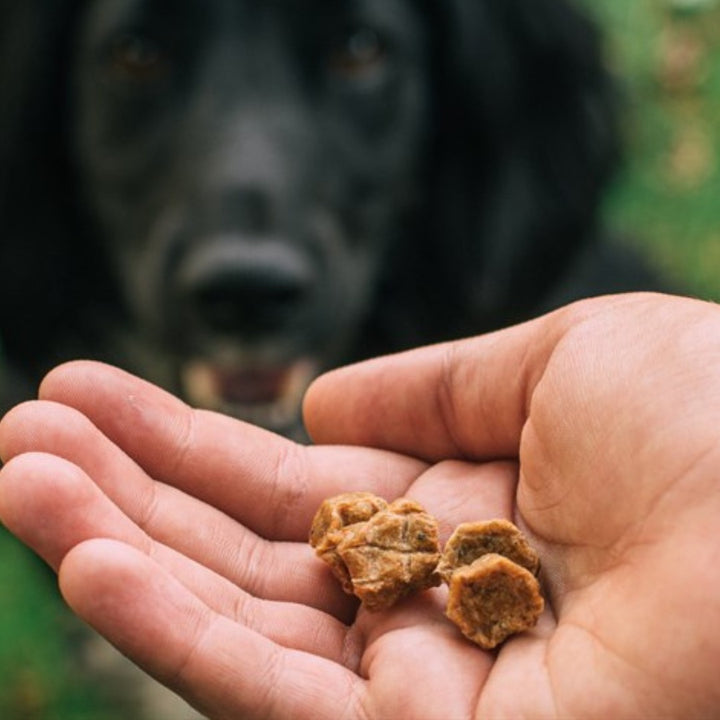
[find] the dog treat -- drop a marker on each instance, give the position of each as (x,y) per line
(490,569)
(379,552)
(493,598)
(383,552)
(473,540)
(337,512)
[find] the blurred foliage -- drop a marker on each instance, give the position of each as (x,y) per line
(666,201)
(37,680)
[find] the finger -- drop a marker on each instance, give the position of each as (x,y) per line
(466,399)
(223,668)
(73,510)
(51,505)
(266,482)
(277,571)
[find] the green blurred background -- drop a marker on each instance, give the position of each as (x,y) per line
(667,54)
(666,202)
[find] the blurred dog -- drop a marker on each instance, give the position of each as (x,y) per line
(230,196)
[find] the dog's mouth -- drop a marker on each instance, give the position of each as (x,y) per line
(263,394)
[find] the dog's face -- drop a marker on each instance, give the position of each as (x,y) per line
(247,164)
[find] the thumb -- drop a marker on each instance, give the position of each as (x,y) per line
(466,399)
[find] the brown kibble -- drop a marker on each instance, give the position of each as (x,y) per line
(490,568)
(493,598)
(337,512)
(471,541)
(328,527)
(379,552)
(383,552)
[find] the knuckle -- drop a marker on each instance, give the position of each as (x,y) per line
(290,485)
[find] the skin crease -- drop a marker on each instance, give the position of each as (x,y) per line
(181,535)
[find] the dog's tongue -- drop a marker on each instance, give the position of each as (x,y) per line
(252,386)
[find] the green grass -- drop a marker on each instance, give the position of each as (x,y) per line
(666,201)
(37,680)
(668,196)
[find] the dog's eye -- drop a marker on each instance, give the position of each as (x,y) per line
(360,51)
(137,57)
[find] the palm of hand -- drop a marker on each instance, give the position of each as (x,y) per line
(187,549)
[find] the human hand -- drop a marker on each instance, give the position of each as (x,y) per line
(181,535)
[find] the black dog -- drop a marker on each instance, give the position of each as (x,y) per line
(229,196)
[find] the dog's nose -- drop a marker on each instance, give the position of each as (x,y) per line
(246,290)
(249,301)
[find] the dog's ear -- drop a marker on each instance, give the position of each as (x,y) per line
(44,270)
(528,137)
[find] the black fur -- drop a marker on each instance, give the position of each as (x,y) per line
(259,181)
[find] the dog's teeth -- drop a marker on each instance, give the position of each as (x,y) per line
(202,381)
(199,385)
(278,415)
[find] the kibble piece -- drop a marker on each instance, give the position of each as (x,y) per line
(328,527)
(392,555)
(337,512)
(387,552)
(493,598)
(471,541)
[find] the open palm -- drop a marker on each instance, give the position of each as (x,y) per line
(181,535)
